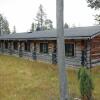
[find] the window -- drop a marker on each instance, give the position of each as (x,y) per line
(69,49)
(43,47)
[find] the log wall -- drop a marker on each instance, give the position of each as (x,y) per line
(95,50)
(70,61)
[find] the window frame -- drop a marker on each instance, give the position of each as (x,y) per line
(70,52)
(44,49)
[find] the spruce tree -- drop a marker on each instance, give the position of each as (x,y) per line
(41,22)
(86,84)
(14,30)
(4,25)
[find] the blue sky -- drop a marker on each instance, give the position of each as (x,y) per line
(22,12)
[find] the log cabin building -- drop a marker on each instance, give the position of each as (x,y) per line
(42,45)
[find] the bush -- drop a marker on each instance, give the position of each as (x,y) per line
(86,85)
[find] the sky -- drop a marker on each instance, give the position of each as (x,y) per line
(21,13)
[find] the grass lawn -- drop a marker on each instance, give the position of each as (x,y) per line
(21,79)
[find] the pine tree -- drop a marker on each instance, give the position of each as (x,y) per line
(66,25)
(48,24)
(32,27)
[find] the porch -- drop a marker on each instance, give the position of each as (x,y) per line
(45,50)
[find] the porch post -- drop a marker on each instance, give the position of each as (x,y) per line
(54,54)
(9,48)
(20,49)
(34,56)
(12,47)
(90,53)
(85,53)
(23,48)
(3,46)
(0,46)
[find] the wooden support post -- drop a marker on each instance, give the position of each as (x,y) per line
(12,47)
(0,46)
(3,46)
(9,47)
(34,56)
(54,54)
(21,48)
(90,53)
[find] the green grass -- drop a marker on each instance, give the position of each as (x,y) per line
(21,79)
